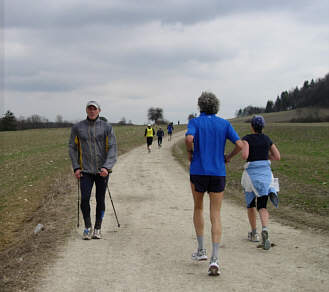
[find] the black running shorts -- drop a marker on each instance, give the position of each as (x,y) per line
(261,203)
(208,183)
(149,140)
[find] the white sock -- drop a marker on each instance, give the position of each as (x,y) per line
(200,242)
(215,249)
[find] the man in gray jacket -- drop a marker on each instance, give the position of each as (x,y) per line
(93,152)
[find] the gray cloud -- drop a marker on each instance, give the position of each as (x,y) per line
(159,53)
(40,84)
(39,13)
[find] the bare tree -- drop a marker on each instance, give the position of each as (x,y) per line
(123,121)
(59,119)
(155,114)
(191,116)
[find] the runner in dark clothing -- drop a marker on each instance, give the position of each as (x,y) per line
(160,134)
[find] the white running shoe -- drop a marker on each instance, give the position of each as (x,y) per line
(200,255)
(254,237)
(265,241)
(86,235)
(214,269)
(97,234)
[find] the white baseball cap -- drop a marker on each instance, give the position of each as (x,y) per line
(149,125)
(93,103)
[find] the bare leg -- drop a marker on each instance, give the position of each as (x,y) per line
(215,207)
(198,219)
(264,216)
(252,214)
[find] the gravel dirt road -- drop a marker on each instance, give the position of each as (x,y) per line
(151,251)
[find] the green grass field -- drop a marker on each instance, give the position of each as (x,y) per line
(31,161)
(302,170)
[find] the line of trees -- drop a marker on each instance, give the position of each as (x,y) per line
(313,93)
(10,123)
(123,122)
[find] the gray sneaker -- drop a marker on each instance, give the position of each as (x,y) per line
(265,241)
(86,235)
(97,234)
(254,237)
(200,255)
(214,269)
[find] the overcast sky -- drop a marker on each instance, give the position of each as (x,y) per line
(133,55)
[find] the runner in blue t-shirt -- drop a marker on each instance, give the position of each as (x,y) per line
(170,129)
(205,143)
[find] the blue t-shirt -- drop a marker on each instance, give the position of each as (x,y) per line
(210,133)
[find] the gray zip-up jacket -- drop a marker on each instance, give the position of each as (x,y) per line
(92,146)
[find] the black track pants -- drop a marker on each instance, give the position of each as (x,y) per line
(86,184)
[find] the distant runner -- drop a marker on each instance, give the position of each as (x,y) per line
(170,129)
(208,134)
(149,133)
(160,134)
(93,152)
(257,178)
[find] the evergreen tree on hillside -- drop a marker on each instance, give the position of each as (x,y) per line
(269,106)
(277,104)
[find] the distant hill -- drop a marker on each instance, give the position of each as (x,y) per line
(313,94)
(306,115)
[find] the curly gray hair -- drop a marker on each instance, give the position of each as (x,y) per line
(208,103)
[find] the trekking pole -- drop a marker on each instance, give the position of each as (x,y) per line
(115,213)
(78,201)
